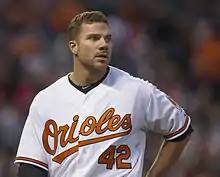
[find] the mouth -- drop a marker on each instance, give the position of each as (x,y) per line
(103,57)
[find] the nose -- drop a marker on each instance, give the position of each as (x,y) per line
(104,44)
(103,48)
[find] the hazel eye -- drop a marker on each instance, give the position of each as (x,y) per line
(94,37)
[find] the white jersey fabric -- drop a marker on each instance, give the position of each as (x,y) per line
(98,134)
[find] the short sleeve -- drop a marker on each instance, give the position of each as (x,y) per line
(30,148)
(165,116)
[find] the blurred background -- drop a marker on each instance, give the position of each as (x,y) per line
(173,44)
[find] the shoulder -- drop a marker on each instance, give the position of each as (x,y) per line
(50,91)
(122,77)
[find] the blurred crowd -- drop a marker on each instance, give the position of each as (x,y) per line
(173,44)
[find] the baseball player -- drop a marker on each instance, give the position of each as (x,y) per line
(93,121)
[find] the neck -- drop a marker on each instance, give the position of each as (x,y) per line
(83,75)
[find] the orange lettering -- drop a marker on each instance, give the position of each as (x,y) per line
(48,133)
(63,130)
(91,126)
(107,121)
(72,130)
(114,121)
(126,122)
(104,118)
(60,157)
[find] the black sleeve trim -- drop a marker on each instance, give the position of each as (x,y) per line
(27,170)
(184,135)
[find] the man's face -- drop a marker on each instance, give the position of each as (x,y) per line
(94,45)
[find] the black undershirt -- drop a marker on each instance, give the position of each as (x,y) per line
(87,88)
(28,170)
(184,135)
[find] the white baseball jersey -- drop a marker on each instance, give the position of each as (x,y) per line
(101,133)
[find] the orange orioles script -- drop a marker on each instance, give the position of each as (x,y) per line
(107,122)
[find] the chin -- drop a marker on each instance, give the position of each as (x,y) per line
(101,66)
(101,63)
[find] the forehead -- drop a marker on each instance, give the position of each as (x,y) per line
(95,28)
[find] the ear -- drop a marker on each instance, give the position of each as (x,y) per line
(73,47)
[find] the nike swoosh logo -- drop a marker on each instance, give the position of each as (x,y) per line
(85,87)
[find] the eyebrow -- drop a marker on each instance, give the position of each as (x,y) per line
(97,34)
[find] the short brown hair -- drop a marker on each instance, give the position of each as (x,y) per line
(87,17)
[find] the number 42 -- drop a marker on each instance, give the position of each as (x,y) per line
(108,157)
